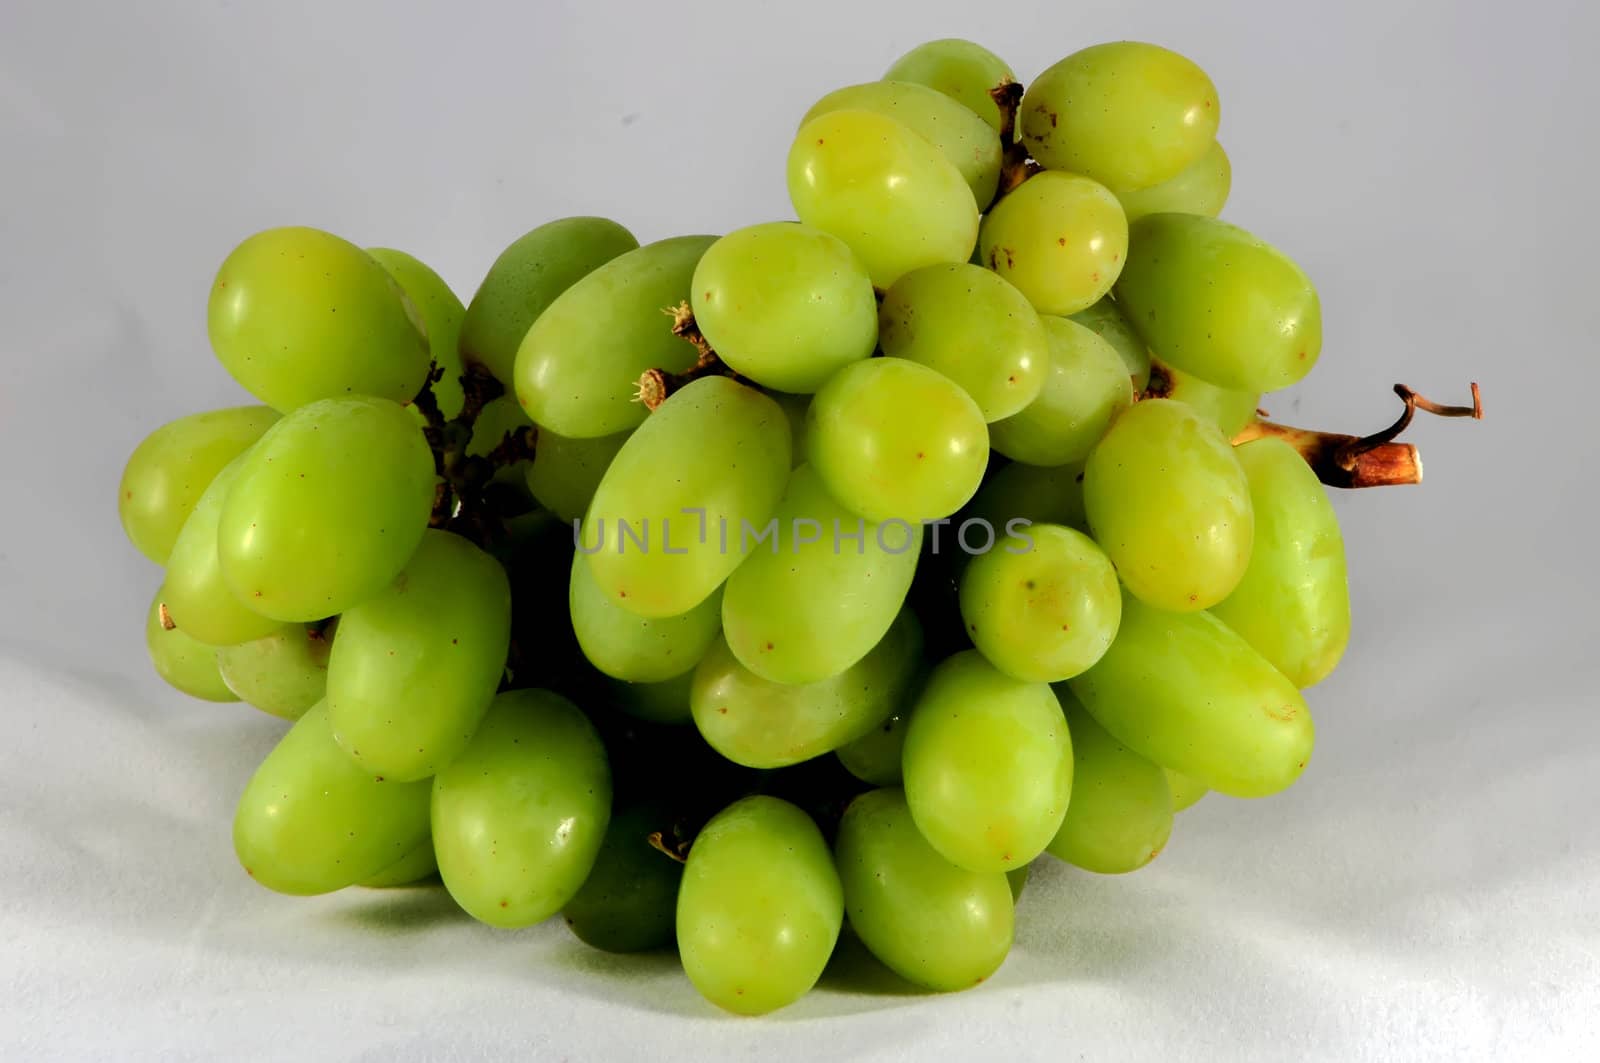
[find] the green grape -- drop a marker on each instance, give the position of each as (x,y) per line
(578,369)
(762,724)
(638,649)
(662,532)
(1293,604)
(1086,386)
(282,674)
(962,70)
(1107,322)
(1127,114)
(1185,791)
(409,870)
(171,468)
(811,603)
(759,908)
(973,327)
(441,312)
(1120,815)
(519,816)
(875,756)
(326,508)
(930,922)
(499,417)
(1202,188)
(415,666)
(663,702)
(1168,502)
(1017,878)
(1183,690)
(988,765)
(896,441)
(887,193)
(965,140)
(196,595)
(1034,493)
(527,278)
(298,315)
(565,472)
(796,408)
(1215,301)
(785,305)
(186,665)
(312,820)
(1230,411)
(629,901)
(1042,612)
(1060,238)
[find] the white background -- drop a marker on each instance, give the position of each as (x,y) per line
(1428,890)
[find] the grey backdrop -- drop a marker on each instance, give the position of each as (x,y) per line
(1428,890)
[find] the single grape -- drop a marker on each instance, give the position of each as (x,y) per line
(527,278)
(1129,115)
(1293,604)
(565,472)
(760,906)
(629,901)
(1108,322)
(1086,386)
(197,597)
(896,441)
(409,870)
(663,530)
(1185,791)
(441,312)
(875,756)
(171,468)
(988,765)
(638,649)
(312,820)
(282,674)
(1060,238)
(326,508)
(1214,709)
(298,315)
(886,192)
(578,368)
(1229,410)
(972,326)
(1168,502)
(1215,301)
(186,665)
(962,70)
(519,816)
(1034,494)
(663,702)
(1120,815)
(930,922)
(1202,188)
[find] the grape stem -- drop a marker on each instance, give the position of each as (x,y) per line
(658,842)
(1015,165)
(655,386)
(465,500)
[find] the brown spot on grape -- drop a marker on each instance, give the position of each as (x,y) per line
(769,645)
(127,494)
(1283,712)
(505,904)
(722,709)
(1062,240)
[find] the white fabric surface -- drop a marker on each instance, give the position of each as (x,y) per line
(1428,890)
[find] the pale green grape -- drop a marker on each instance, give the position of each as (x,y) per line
(886,192)
(973,327)
(1086,386)
(1185,691)
(1110,325)
(312,820)
(1215,301)
(1169,503)
(186,665)
(195,593)
(527,278)
(662,532)
(810,602)
(759,908)
(1127,114)
(896,441)
(441,312)
(663,702)
(929,921)
(1059,238)
(298,315)
(415,666)
(409,870)
(785,305)
(1293,604)
(1034,493)
(962,137)
(578,368)
(519,816)
(988,765)
(638,649)
(1228,410)
(960,69)
(326,508)
(170,469)
(1185,791)
(1120,815)
(1042,612)
(762,724)
(284,673)
(629,901)
(1202,188)
(875,756)
(565,472)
